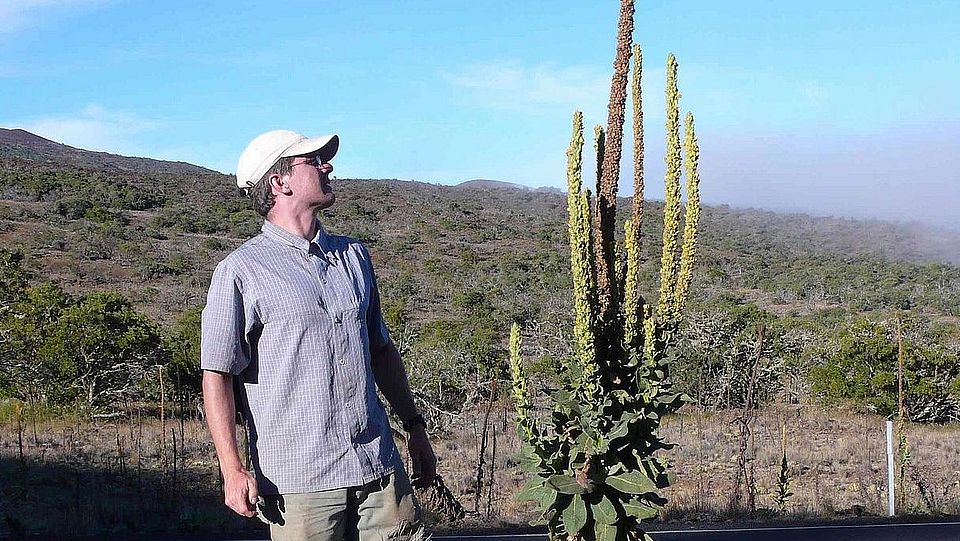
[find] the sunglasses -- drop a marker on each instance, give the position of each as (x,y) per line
(312,162)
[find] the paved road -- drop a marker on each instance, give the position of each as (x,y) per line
(877,532)
(945,531)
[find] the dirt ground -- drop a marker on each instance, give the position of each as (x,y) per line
(117,477)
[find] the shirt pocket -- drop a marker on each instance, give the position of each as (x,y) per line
(294,299)
(349,325)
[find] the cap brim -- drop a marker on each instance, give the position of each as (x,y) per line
(325,146)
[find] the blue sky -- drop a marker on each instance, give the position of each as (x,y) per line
(847,108)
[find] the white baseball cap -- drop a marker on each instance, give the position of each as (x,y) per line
(267,148)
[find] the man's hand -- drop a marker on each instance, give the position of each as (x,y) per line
(239,487)
(240,492)
(391,378)
(422,457)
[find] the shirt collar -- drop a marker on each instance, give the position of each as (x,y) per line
(281,235)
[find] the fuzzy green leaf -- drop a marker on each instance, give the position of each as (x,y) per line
(584,443)
(565,484)
(670,399)
(605,532)
(633,482)
(604,511)
(640,510)
(589,427)
(603,445)
(575,515)
(622,428)
(547,498)
(563,398)
(530,457)
(532,491)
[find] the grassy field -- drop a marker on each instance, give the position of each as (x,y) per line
(119,477)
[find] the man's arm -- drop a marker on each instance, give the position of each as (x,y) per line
(391,378)
(239,486)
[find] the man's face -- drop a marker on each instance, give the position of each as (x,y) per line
(310,182)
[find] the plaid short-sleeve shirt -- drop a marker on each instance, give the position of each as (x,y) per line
(295,320)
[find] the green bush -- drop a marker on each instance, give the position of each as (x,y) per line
(73,207)
(151,269)
(103,351)
(25,373)
(182,341)
(863,372)
(213,244)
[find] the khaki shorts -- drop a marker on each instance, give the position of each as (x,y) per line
(385,509)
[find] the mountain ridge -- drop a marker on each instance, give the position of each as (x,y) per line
(491,184)
(21,150)
(20,143)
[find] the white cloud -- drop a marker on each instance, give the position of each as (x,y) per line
(548,89)
(93,128)
(533,89)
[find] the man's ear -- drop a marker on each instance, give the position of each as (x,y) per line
(279,185)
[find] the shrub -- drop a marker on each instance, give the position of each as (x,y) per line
(73,207)
(864,369)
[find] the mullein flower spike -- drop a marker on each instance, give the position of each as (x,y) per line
(691,158)
(671,206)
(596,472)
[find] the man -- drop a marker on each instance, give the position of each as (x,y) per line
(293,324)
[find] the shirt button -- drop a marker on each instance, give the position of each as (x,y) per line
(347,404)
(341,361)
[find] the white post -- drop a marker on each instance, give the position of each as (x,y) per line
(890,500)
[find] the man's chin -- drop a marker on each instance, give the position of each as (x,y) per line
(328,201)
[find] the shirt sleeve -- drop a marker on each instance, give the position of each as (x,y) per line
(223,340)
(376,326)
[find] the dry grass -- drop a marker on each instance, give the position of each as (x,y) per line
(76,478)
(458,451)
(837,464)
(836,460)
(111,478)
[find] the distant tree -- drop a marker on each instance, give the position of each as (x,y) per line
(934,391)
(13,283)
(864,371)
(13,279)
(801,346)
(479,338)
(720,359)
(74,207)
(183,344)
(24,373)
(397,317)
(103,348)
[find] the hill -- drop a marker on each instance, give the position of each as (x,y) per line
(17,143)
(483,183)
(487,184)
(96,221)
